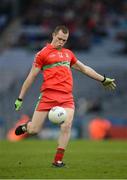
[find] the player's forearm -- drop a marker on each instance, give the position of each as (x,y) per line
(92,73)
(26,85)
(88,71)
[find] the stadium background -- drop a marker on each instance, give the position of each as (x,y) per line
(98,36)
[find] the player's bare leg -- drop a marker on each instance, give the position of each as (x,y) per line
(35,125)
(64,138)
(66,129)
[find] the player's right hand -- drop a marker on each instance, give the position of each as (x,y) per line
(18,104)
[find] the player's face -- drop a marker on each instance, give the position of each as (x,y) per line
(59,39)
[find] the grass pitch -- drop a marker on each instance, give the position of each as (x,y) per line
(31,159)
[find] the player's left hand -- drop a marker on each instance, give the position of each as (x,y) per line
(109,83)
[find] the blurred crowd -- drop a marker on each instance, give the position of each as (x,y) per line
(89,21)
(5,14)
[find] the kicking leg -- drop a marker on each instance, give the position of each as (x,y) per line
(33,126)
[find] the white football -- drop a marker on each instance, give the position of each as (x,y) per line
(57,115)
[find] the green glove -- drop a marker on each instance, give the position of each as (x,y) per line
(109,83)
(18,104)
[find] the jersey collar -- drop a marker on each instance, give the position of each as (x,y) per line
(49,46)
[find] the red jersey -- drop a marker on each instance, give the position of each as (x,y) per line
(55,65)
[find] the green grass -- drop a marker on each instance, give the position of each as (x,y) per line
(31,159)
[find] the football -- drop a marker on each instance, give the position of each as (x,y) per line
(57,115)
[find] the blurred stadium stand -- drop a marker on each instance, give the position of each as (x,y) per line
(98,37)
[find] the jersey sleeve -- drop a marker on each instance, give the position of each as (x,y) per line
(73,59)
(39,60)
